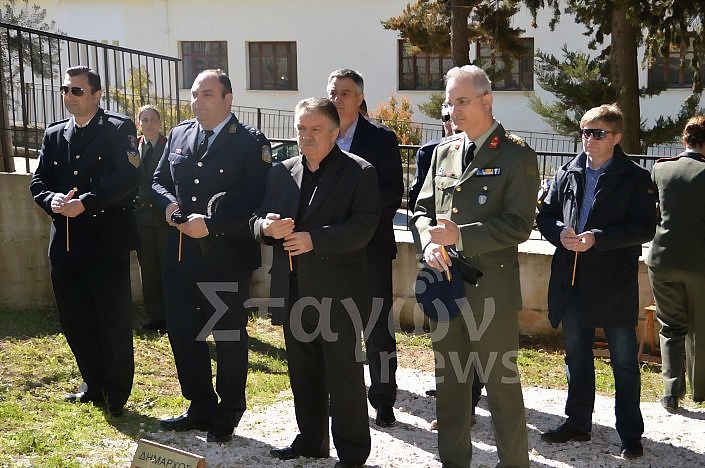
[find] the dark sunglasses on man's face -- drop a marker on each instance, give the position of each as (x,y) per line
(595,133)
(75,90)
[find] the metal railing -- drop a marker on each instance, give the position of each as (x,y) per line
(32,65)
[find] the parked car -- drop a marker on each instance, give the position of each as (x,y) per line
(283,150)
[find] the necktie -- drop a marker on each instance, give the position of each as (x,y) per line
(201,150)
(148,152)
(469,155)
(78,132)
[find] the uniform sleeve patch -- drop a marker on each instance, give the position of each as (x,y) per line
(133,154)
(134,158)
(267,154)
(132,142)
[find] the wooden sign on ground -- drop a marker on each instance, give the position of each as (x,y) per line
(151,454)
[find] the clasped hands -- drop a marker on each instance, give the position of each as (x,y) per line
(296,243)
(65,204)
(446,232)
(577,242)
(195,225)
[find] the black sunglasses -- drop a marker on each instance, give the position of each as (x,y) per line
(445,117)
(75,90)
(595,133)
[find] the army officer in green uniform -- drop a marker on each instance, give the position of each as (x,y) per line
(479,196)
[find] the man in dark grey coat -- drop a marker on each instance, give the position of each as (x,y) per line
(150,219)
(598,212)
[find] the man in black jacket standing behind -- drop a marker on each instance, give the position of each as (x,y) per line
(377,145)
(86,180)
(151,224)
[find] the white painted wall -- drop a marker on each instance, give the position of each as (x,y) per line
(329,34)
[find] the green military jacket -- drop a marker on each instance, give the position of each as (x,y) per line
(493,202)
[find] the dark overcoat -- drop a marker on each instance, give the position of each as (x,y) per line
(622,217)
(343,216)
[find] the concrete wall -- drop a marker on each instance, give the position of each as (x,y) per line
(25,281)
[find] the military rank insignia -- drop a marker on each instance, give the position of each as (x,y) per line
(494,143)
(267,154)
(515,139)
(232,129)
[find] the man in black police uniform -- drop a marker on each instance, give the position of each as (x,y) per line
(86,180)
(208,183)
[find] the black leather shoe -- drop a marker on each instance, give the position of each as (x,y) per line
(156,326)
(84,397)
(632,450)
(289,453)
(564,433)
(116,411)
(220,432)
(346,465)
(285,453)
(385,417)
(185,423)
(670,403)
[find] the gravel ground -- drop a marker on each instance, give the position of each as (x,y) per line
(670,440)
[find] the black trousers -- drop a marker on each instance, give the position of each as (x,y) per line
(327,374)
(380,342)
(191,316)
(151,258)
(94,303)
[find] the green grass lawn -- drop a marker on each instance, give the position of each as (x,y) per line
(37,368)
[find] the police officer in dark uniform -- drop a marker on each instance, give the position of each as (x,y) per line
(86,180)
(209,181)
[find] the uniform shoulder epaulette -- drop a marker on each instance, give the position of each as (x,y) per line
(184,122)
(451,138)
(255,132)
(668,158)
(115,115)
(59,122)
(515,139)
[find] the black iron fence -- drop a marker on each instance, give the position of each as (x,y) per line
(32,65)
